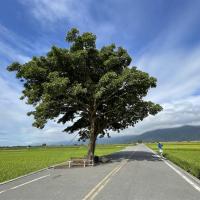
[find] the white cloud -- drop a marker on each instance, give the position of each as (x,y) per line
(16,126)
(71,13)
(52,11)
(177,68)
(177,72)
(49,12)
(17,48)
(12,54)
(12,46)
(176,113)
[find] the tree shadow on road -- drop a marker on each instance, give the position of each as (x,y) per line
(120,156)
(132,156)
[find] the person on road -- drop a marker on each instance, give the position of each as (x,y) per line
(160,148)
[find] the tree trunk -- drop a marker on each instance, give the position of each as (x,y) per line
(91,146)
(93,135)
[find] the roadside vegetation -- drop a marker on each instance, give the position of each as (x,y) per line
(184,154)
(15,162)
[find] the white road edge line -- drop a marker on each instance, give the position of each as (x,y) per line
(183,176)
(179,173)
(32,173)
(17,186)
(19,177)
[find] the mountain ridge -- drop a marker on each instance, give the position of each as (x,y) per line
(182,133)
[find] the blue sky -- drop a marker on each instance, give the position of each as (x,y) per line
(163,38)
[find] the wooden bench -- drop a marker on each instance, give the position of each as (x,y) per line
(75,161)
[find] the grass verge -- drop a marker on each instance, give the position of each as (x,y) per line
(16,162)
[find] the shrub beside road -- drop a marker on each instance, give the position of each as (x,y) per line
(184,154)
(15,162)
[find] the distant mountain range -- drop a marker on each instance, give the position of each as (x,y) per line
(183,133)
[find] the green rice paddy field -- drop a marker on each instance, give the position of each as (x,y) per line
(184,154)
(15,162)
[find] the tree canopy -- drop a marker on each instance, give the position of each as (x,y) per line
(96,89)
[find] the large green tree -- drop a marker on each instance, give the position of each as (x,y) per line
(94,88)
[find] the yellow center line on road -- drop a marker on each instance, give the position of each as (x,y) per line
(95,191)
(99,189)
(100,183)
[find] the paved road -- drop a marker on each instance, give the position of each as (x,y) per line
(134,174)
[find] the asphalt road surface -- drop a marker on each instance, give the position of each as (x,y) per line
(135,173)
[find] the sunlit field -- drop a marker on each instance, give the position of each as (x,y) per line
(15,162)
(184,154)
